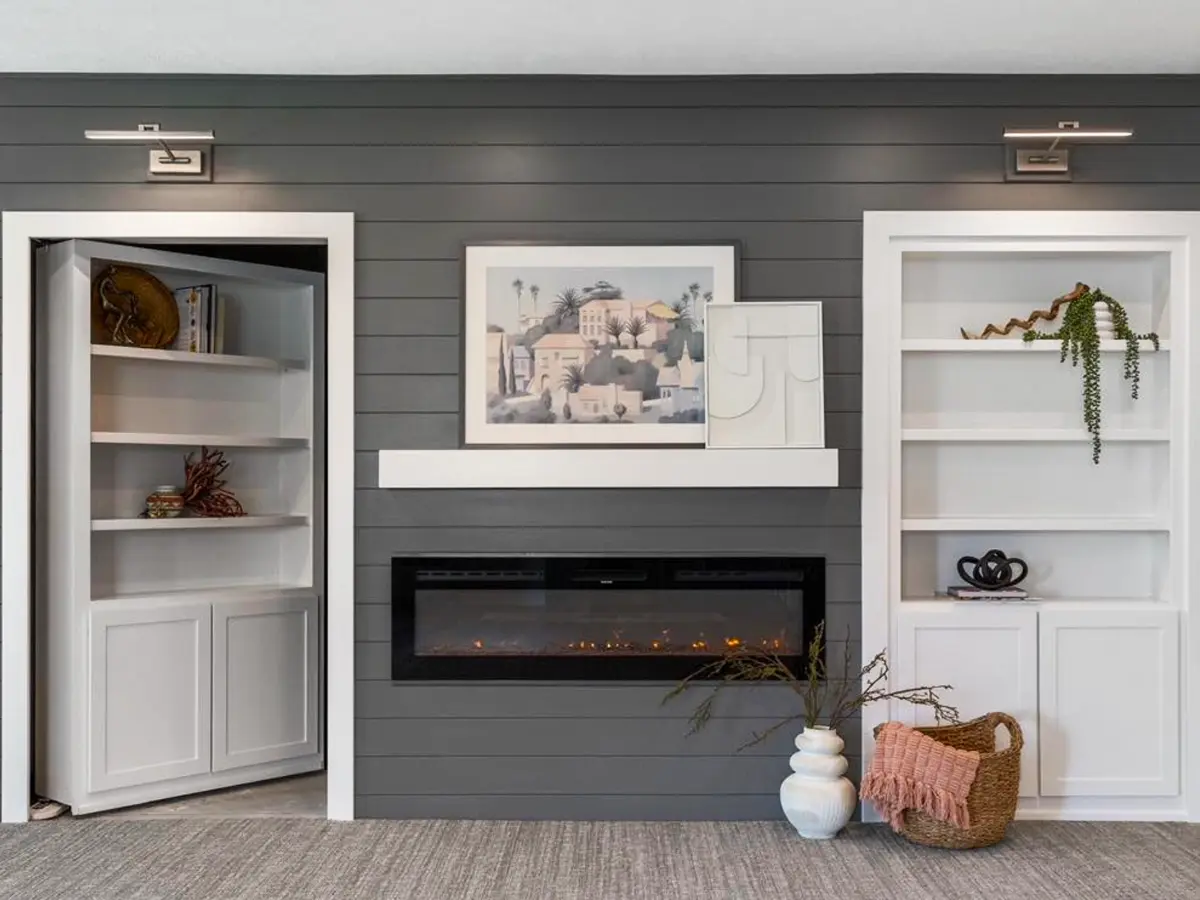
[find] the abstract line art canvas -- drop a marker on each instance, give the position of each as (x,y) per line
(765,375)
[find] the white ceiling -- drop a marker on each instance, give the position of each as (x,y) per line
(603,37)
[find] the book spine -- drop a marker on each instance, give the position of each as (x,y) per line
(193,321)
(219,342)
(204,316)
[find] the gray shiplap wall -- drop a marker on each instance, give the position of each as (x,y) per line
(786,166)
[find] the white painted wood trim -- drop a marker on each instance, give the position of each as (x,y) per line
(630,467)
(16,562)
(339,517)
(336,230)
(1186,384)
(880,429)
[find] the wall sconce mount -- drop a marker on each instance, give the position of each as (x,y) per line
(165,163)
(1054,162)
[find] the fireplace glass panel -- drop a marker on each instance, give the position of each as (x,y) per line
(602,618)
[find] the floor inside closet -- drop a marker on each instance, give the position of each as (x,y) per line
(301,797)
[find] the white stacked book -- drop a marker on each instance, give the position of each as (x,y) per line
(962,592)
(201,319)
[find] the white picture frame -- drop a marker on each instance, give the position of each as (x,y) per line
(493,275)
(778,402)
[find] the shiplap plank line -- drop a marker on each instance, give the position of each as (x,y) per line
(811,278)
(442,316)
(616,508)
(543,165)
(502,204)
(971,92)
(373,662)
(430,431)
(270,125)
(372,583)
(441,393)
(578,808)
(441,355)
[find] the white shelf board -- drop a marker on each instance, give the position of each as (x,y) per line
(1035,523)
(184,523)
(213,594)
(1011,345)
(165,439)
(1033,435)
(1076,604)
(226,360)
(634,467)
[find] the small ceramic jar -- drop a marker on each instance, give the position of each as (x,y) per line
(165,502)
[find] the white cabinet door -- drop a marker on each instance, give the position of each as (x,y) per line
(264,681)
(988,653)
(1110,703)
(150,704)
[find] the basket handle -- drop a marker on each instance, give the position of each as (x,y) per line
(1016,738)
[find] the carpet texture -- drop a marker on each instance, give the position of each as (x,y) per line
(295,859)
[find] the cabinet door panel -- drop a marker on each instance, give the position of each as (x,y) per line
(150,709)
(1110,703)
(988,654)
(265,681)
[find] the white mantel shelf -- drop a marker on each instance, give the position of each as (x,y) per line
(616,468)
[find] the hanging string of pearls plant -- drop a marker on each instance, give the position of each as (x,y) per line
(1091,317)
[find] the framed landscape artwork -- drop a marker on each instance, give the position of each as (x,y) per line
(597,344)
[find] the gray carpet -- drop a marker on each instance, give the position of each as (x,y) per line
(294,859)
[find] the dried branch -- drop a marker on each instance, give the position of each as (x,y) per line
(836,700)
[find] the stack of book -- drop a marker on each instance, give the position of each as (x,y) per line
(201,319)
(962,592)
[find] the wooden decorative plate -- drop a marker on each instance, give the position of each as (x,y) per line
(132,308)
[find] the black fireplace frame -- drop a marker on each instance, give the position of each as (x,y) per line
(605,573)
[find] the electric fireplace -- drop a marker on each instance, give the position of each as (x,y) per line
(589,618)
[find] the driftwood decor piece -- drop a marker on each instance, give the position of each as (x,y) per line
(205,493)
(1048,315)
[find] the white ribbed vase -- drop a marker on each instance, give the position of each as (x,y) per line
(817,799)
(1104,321)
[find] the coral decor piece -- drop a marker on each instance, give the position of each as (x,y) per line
(1048,315)
(205,493)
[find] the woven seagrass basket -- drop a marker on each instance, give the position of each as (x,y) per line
(992,802)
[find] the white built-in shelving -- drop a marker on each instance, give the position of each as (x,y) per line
(973,445)
(220,615)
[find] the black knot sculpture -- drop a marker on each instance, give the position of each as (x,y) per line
(993,571)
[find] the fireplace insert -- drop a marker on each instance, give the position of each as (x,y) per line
(590,618)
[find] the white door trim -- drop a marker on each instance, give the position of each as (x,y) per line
(336,231)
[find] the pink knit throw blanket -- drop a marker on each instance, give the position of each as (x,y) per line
(913,771)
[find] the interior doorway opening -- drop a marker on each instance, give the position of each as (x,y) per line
(177,626)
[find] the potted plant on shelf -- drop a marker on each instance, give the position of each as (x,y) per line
(1091,317)
(817,798)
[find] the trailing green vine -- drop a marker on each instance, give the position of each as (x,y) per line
(1079,338)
